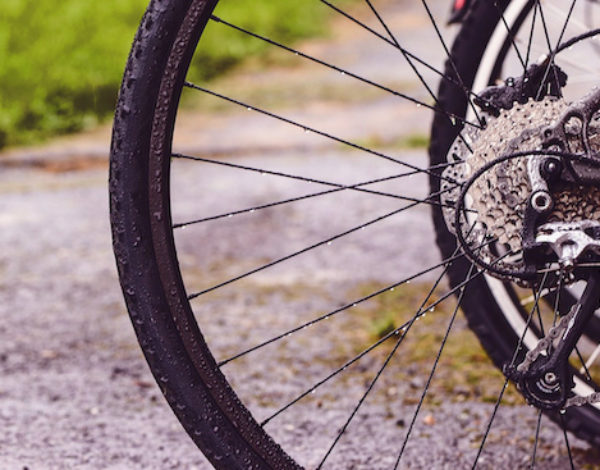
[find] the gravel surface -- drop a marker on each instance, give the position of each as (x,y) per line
(75,391)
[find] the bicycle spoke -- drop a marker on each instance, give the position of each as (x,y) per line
(338,188)
(554,52)
(434,367)
(450,60)
(397,44)
(559,287)
(438,105)
(512,362)
(382,340)
(535,442)
(510,35)
(263,171)
(338,69)
(537,309)
(391,334)
(336,372)
(350,305)
(548,42)
(558,12)
(389,357)
(538,7)
(382,368)
(371,30)
(568,446)
(416,71)
(531,298)
(413,58)
(490,422)
(584,367)
(315,131)
(556,304)
(531,31)
(303,198)
(304,250)
(359,356)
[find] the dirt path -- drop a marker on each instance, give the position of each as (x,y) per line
(75,391)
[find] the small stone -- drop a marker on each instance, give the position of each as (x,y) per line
(144,384)
(48,354)
(417,383)
(429,420)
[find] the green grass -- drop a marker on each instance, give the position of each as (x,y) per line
(61,62)
(464,370)
(414,141)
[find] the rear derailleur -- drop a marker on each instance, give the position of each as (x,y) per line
(545,377)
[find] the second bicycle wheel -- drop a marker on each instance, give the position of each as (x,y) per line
(279,263)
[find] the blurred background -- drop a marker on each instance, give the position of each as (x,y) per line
(62,62)
(75,391)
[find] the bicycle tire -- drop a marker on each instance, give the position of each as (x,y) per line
(197,393)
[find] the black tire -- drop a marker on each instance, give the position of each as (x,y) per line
(485,317)
(181,363)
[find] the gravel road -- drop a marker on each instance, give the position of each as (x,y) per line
(75,391)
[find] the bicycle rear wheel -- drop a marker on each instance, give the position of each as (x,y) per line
(169,262)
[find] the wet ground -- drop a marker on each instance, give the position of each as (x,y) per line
(75,391)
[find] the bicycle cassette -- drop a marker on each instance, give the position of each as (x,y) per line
(499,197)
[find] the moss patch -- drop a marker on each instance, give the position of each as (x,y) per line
(464,370)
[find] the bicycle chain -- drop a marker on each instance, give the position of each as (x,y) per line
(545,343)
(581,401)
(547,340)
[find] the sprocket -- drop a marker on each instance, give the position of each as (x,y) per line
(498,200)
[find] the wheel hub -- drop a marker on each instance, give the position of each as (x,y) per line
(531,216)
